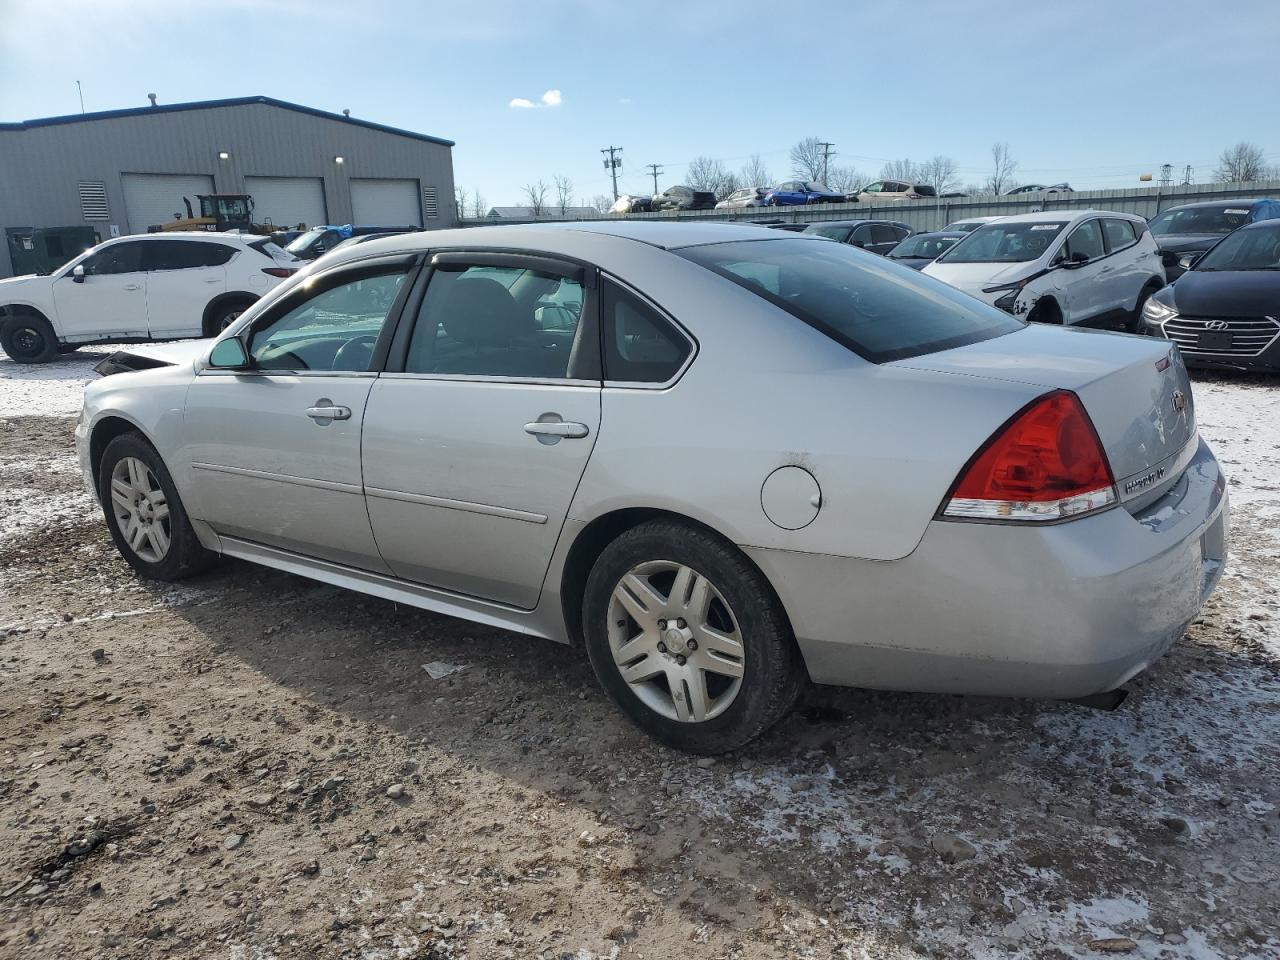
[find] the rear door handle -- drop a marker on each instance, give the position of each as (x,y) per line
(555,429)
(326,411)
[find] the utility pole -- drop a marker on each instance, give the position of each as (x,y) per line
(654,169)
(1187,175)
(613,163)
(826,155)
(1166,174)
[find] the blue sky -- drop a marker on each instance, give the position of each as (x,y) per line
(1087,91)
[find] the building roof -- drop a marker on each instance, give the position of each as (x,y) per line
(549,210)
(210,104)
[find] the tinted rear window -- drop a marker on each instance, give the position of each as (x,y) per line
(880,310)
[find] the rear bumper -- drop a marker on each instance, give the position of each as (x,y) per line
(1058,611)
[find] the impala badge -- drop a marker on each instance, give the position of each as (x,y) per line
(1179,402)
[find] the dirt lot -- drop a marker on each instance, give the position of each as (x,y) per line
(252,765)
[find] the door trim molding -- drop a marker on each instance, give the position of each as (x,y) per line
(507,513)
(335,485)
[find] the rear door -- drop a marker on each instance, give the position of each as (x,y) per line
(477,434)
(1125,273)
(182,277)
(883,238)
(272,454)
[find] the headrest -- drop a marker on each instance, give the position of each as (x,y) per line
(480,311)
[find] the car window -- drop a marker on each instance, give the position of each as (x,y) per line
(861,234)
(1004,243)
(876,187)
(117,258)
(883,233)
(1257,248)
(861,302)
(496,322)
(1085,239)
(1119,234)
(334,328)
(1219,220)
(640,345)
(184,254)
(830,232)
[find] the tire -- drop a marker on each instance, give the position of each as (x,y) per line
(223,316)
(749,687)
(28,339)
(1135,322)
(131,467)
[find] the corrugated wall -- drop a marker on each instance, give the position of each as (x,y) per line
(40,167)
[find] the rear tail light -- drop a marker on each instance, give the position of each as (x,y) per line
(1047,463)
(281,272)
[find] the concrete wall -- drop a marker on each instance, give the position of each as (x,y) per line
(1145,201)
(41,166)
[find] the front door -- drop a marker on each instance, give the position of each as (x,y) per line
(182,277)
(272,454)
(1085,287)
(476,437)
(110,300)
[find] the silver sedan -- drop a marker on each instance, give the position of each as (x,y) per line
(725,462)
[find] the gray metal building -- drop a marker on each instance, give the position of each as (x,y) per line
(123,171)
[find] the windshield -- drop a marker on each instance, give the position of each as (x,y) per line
(303,243)
(1257,249)
(1191,220)
(921,245)
(831,233)
(813,187)
(880,310)
(1004,243)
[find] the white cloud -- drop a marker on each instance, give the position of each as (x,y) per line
(551,98)
(624,99)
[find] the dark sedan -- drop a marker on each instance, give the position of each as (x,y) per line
(921,249)
(1225,310)
(1195,227)
(878,236)
(684,198)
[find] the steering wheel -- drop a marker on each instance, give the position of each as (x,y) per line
(355,354)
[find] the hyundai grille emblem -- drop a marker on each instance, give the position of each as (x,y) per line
(1217,324)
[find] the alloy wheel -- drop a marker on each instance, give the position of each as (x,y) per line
(141,509)
(676,641)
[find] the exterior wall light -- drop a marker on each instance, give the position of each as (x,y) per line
(223,155)
(339,161)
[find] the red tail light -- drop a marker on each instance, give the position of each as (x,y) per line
(281,272)
(1047,463)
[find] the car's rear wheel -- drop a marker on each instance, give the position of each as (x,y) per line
(688,638)
(223,316)
(29,339)
(145,514)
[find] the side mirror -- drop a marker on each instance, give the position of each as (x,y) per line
(1189,260)
(230,354)
(860,244)
(77,273)
(1076,261)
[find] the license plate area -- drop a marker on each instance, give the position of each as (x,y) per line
(1214,340)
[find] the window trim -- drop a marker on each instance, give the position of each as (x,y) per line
(666,315)
(303,292)
(397,354)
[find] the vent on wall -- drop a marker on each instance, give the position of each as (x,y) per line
(429,204)
(93,200)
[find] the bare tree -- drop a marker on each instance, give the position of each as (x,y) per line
(460,201)
(1002,169)
(845,179)
(807,159)
(536,196)
(601,202)
(754,173)
(899,170)
(939,173)
(478,206)
(705,173)
(1240,163)
(564,194)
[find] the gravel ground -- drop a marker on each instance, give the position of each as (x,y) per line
(252,765)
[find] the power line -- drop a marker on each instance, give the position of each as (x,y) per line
(655,169)
(613,163)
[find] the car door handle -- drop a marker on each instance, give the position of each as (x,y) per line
(133,286)
(211,280)
(557,428)
(328,412)
(1105,270)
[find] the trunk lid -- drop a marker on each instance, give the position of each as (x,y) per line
(1135,390)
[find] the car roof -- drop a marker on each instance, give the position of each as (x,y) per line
(854,223)
(191,235)
(1069,216)
(1242,202)
(1271,224)
(937,233)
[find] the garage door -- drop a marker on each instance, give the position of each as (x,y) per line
(151,199)
(385,203)
(287,201)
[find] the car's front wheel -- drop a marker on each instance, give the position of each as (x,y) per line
(29,339)
(222,317)
(688,638)
(145,514)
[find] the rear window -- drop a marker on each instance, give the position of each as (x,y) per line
(879,310)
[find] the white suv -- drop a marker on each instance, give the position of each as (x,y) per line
(161,286)
(1077,267)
